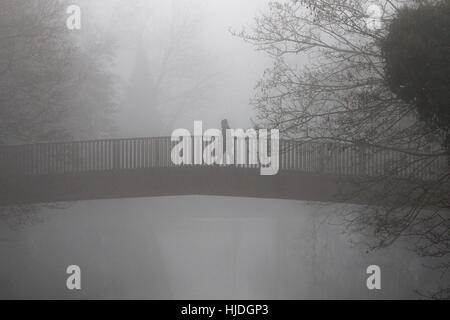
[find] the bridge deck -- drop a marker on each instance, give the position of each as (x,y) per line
(142,167)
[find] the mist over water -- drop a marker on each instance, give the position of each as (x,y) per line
(171,63)
(198,247)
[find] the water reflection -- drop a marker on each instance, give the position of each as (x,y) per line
(199,247)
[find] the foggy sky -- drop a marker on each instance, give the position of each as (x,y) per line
(194,247)
(200,247)
(232,66)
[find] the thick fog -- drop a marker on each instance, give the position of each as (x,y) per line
(200,247)
(184,51)
(173,62)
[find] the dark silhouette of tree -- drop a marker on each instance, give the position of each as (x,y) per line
(142,106)
(328,84)
(417,54)
(166,41)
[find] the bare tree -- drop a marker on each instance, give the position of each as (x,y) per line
(169,76)
(46,75)
(54,84)
(328,84)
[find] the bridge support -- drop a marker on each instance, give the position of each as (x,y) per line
(171,181)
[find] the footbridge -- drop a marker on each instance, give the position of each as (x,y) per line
(142,167)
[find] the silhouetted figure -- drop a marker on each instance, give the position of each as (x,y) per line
(225,126)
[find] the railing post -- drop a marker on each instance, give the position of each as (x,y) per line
(156,146)
(361,159)
(116,155)
(322,158)
(75,157)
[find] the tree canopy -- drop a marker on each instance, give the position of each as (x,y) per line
(417,55)
(54,83)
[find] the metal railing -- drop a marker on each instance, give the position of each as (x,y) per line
(142,153)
